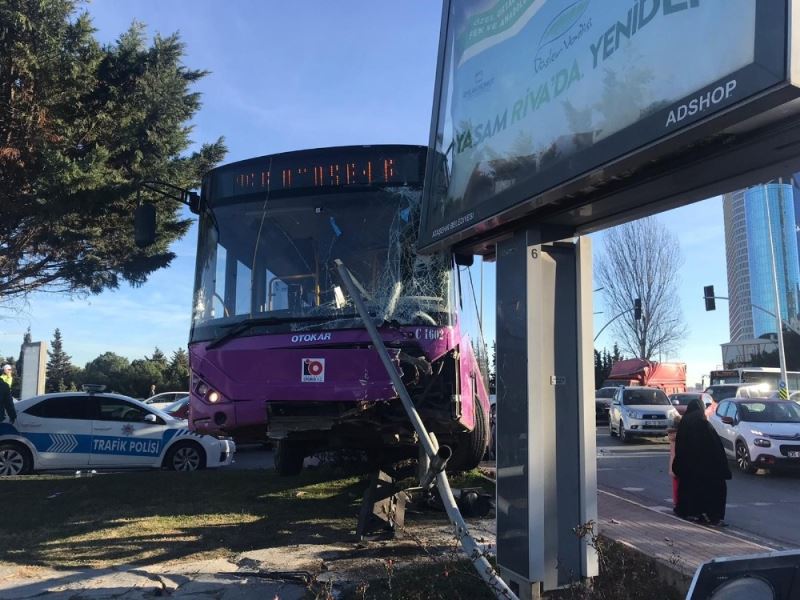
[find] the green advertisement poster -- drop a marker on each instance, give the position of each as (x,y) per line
(530,84)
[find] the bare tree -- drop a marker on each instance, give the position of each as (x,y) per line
(641,260)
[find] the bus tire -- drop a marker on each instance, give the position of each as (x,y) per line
(471,446)
(289,457)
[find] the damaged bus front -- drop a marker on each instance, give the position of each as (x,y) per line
(277,348)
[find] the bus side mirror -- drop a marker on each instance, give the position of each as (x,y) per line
(464,260)
(144,225)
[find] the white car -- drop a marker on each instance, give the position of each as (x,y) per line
(640,412)
(759,432)
(80,430)
(164,399)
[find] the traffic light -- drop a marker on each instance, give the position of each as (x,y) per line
(637,309)
(708,294)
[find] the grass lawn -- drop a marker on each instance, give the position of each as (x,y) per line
(59,521)
(145,517)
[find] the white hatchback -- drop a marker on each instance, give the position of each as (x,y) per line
(759,432)
(94,430)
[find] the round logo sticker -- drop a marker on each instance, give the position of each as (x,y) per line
(314,367)
(313,370)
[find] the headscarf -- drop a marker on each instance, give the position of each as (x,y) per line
(693,405)
(698,450)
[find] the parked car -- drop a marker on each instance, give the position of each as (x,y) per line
(795,397)
(640,412)
(178,409)
(602,402)
(680,401)
(164,399)
(759,432)
(88,429)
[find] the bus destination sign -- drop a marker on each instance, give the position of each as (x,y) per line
(323,170)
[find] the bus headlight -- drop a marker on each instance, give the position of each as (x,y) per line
(213,397)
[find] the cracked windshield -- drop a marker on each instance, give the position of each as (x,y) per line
(273,257)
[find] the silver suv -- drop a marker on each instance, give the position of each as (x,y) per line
(640,412)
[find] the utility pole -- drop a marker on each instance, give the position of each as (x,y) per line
(778,319)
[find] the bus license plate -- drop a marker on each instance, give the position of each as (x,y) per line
(794,453)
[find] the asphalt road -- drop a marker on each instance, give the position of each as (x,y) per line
(765,506)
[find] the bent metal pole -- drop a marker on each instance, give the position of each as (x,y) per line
(471,548)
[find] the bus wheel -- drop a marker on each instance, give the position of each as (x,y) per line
(289,457)
(471,446)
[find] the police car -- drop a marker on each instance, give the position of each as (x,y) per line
(75,430)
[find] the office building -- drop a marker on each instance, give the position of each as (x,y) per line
(749,260)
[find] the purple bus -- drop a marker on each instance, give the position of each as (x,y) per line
(277,349)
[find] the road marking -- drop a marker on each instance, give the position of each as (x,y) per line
(762,504)
(659,508)
(633,489)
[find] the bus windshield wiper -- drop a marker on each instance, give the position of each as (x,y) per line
(243,326)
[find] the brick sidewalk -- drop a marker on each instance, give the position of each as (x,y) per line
(673,541)
(680,546)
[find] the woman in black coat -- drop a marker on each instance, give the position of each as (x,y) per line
(701,467)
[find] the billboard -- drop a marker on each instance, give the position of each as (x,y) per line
(538,101)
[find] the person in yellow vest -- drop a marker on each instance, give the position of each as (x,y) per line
(6,376)
(6,401)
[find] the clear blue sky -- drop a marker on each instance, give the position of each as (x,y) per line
(293,75)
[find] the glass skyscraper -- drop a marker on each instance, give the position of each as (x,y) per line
(749,260)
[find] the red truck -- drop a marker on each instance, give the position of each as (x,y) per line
(670,377)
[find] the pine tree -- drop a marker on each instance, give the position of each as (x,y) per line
(81,126)
(177,374)
(59,366)
(158,357)
(616,356)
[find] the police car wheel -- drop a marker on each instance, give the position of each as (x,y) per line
(185,457)
(14,459)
